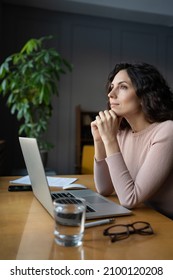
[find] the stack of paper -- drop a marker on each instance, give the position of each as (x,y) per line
(52,181)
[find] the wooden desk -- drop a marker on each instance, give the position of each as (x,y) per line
(26,232)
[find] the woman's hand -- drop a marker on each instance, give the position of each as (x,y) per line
(107,124)
(95,131)
(104,130)
(100,153)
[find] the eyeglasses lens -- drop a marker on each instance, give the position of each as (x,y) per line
(118,232)
(142,228)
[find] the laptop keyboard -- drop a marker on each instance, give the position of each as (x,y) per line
(68,196)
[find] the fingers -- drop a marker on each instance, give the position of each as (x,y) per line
(112,113)
(106,125)
(105,115)
(93,123)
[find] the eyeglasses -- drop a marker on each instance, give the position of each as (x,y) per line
(119,232)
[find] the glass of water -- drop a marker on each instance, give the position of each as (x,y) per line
(69,216)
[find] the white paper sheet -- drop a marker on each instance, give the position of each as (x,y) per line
(52,181)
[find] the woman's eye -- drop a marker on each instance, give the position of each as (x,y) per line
(123,87)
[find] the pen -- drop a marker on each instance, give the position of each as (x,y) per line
(100,222)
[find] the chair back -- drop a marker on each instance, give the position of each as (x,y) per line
(87,159)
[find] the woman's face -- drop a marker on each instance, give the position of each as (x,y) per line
(122,97)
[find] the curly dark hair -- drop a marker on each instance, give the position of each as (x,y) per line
(152,89)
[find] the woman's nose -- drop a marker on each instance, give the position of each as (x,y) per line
(112,94)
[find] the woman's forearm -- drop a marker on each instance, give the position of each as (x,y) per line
(100,152)
(111,147)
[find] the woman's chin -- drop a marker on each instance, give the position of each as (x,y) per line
(116,111)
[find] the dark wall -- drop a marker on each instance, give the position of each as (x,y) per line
(93,45)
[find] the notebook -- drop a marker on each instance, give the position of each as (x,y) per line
(98,206)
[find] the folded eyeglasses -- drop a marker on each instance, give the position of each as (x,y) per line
(120,231)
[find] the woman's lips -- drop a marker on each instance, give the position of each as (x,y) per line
(114,104)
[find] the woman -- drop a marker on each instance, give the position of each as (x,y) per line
(133,140)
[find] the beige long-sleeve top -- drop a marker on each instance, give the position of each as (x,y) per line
(142,171)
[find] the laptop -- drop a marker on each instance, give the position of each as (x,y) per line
(98,206)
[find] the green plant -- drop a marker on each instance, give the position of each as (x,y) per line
(29,79)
